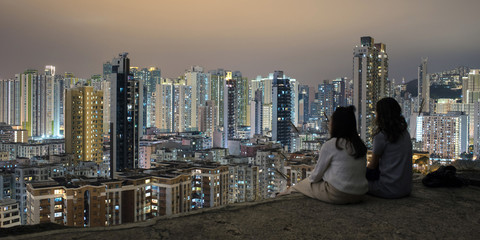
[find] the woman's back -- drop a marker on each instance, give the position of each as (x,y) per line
(395,166)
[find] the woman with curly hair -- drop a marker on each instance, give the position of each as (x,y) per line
(389,172)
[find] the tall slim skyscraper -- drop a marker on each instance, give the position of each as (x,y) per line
(370,79)
(51,122)
(304,98)
(229,108)
(423,87)
(207,118)
(154,76)
(126,116)
(84,124)
(256,113)
(281,110)
(33,103)
(241,101)
(326,103)
(471,102)
(10,101)
(264,84)
(340,88)
(294,100)
(201,90)
(217,79)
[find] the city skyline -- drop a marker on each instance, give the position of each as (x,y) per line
(303,39)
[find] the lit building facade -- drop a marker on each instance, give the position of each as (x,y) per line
(271,164)
(217,80)
(256,114)
(281,110)
(88,202)
(370,79)
(84,124)
(304,103)
(444,135)
(33,103)
(471,97)
(10,101)
(207,118)
(243,183)
(200,92)
(173,106)
(209,186)
(9,213)
(423,87)
(126,113)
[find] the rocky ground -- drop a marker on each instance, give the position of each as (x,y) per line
(440,213)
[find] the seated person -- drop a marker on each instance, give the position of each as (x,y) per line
(339,175)
(392,153)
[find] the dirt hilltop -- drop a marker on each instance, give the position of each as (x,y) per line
(441,213)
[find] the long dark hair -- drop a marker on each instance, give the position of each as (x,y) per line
(389,119)
(344,125)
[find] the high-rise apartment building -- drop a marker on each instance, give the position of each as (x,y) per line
(281,110)
(50,101)
(242,99)
(445,135)
(423,87)
(340,90)
(201,90)
(229,109)
(126,113)
(207,118)
(304,102)
(154,76)
(256,113)
(470,99)
(265,85)
(326,103)
(149,78)
(84,124)
(217,80)
(33,103)
(173,105)
(370,79)
(476,130)
(10,105)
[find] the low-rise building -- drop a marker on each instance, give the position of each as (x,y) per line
(9,213)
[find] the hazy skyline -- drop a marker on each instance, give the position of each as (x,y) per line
(308,40)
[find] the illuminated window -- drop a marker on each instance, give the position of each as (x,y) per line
(58,191)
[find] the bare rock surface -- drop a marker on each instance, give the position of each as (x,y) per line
(440,213)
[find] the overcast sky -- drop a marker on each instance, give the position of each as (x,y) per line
(308,40)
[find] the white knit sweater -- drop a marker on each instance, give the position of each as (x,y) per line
(340,169)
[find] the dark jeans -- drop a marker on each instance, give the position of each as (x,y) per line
(373,174)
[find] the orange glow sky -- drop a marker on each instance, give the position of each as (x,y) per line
(308,40)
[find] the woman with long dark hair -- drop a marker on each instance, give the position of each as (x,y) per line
(389,172)
(339,175)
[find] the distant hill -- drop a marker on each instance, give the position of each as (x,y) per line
(436,91)
(442,91)
(412,87)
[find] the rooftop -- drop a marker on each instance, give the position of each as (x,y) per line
(429,213)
